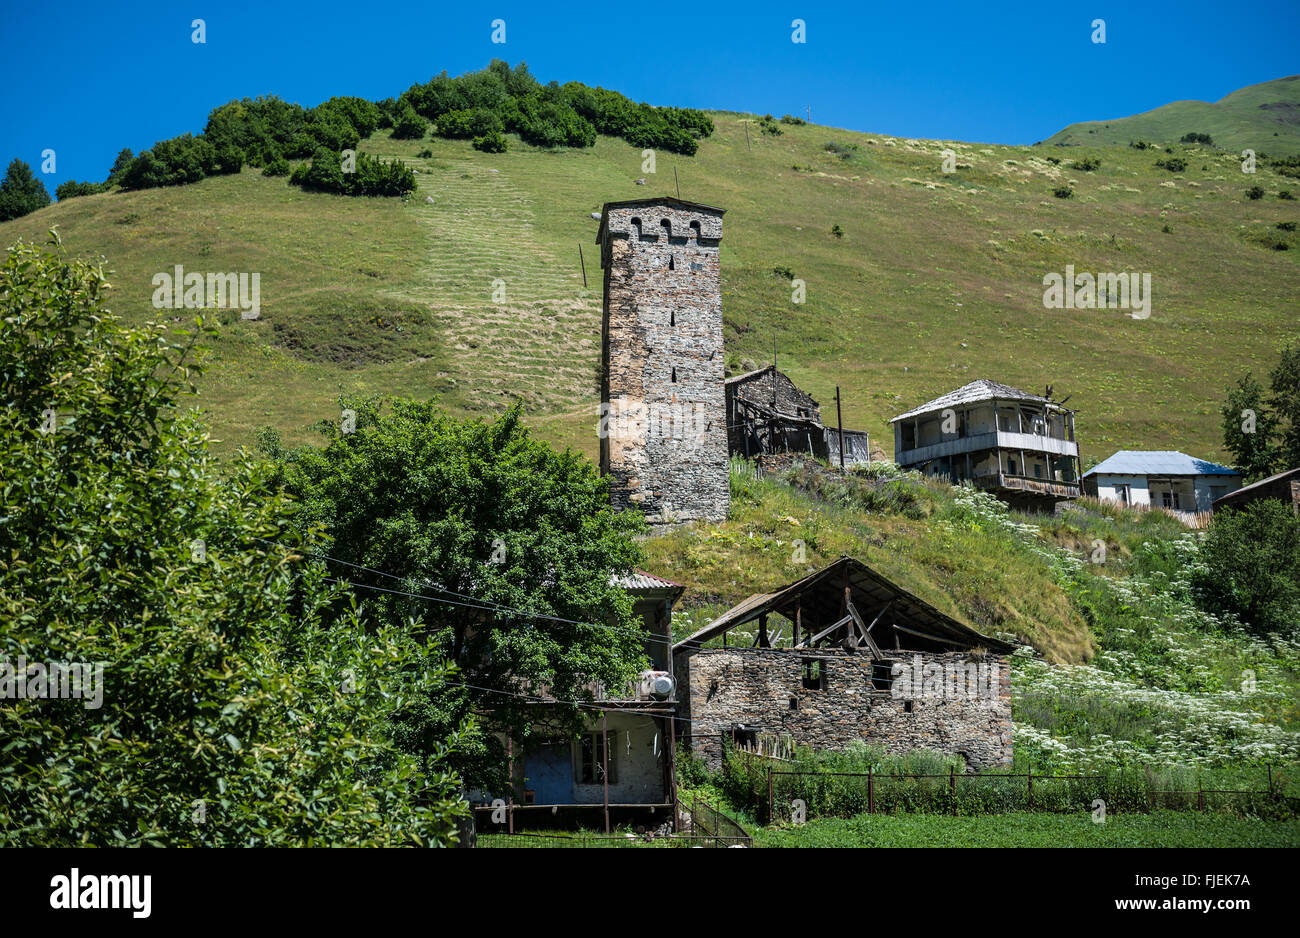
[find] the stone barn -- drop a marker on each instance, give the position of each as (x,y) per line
(767,413)
(663,433)
(845,656)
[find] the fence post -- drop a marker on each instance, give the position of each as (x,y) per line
(769,794)
(871,792)
(952,789)
(1200,798)
(1030,776)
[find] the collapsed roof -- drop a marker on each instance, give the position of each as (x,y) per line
(878,614)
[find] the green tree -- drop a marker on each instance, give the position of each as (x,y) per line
(124,158)
(1285,402)
(1262,430)
(243,701)
(1252,566)
(21,193)
(1248,429)
(507,545)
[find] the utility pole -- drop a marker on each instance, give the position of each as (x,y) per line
(839,418)
(810,113)
(747,146)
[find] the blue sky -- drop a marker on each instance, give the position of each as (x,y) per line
(86,79)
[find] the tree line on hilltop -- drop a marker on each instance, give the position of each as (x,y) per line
(481,106)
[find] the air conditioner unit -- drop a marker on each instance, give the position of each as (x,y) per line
(657,684)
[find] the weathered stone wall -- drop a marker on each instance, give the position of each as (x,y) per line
(665,437)
(719,688)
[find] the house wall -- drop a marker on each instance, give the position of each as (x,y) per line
(1106,488)
(1210,487)
(663,323)
(719,688)
(638,753)
(1195,493)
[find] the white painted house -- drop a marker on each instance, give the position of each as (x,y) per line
(1160,479)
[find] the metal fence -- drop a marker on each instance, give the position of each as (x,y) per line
(709,822)
(583,840)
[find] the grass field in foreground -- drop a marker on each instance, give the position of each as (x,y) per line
(1023,829)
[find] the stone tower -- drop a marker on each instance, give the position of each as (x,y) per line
(663,433)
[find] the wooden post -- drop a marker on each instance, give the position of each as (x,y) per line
(1030,775)
(763,640)
(952,789)
(675,182)
(583,263)
(510,792)
(839,418)
(798,620)
(670,750)
(746,123)
(871,792)
(604,740)
(769,794)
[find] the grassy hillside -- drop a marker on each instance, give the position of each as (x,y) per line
(1263,117)
(936,281)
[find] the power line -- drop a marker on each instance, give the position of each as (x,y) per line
(478,604)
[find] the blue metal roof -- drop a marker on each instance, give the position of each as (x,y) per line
(1138,462)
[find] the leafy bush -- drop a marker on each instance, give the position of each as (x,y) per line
(1087,165)
(373,177)
(1174,164)
(791,119)
(494,142)
(1198,138)
(1063,192)
(408,125)
(72,189)
(845,151)
(1285,226)
(1141,145)
(180,161)
(1286,196)
(277,167)
(1255,193)
(1252,559)
(557,115)
(463,125)
(768,125)
(837,231)
(232,712)
(21,192)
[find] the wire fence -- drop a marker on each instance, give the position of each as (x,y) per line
(583,840)
(708,821)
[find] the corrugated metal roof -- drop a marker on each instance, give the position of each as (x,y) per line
(1139,462)
(640,580)
(981,390)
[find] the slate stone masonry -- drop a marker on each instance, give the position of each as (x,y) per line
(724,688)
(664,434)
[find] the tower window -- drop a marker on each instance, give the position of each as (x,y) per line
(674,376)
(672,318)
(672,265)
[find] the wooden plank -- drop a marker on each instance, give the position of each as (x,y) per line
(824,632)
(862,629)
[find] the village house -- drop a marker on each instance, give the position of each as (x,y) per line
(1181,484)
(845,656)
(1017,445)
(621,767)
(1284,486)
(767,413)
